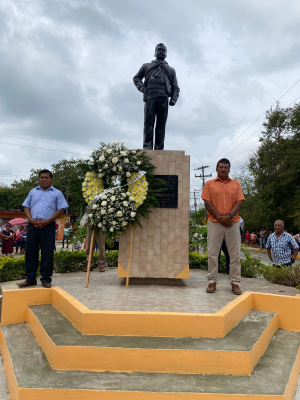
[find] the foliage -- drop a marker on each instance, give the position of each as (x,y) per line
(112,258)
(80,234)
(12,268)
(68,176)
(198,235)
(199,217)
(250,267)
(64,261)
(283,275)
(200,261)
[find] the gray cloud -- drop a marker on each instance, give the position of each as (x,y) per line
(66,69)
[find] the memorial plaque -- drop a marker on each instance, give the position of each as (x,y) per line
(168,198)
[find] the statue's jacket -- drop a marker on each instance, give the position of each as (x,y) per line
(148,69)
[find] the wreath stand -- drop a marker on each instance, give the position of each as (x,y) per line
(129,258)
(92,244)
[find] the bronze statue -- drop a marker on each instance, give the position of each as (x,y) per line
(159,84)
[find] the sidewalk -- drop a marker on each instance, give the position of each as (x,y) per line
(107,292)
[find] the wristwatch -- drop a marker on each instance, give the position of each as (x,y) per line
(231,215)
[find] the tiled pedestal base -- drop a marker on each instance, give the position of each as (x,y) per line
(161,248)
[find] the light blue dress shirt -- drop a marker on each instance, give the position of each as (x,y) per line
(44,203)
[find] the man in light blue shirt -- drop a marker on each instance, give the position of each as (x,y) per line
(42,207)
(281,247)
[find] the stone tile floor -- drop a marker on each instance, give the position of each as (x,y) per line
(107,292)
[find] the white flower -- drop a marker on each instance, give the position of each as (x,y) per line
(104,148)
(113,198)
(110,210)
(125,203)
(138,163)
(101,158)
(123,194)
(131,198)
(113,178)
(116,143)
(126,160)
(132,214)
(91,215)
(120,168)
(115,160)
(128,174)
(119,213)
(109,151)
(99,225)
(104,197)
(104,203)
(112,229)
(100,175)
(124,223)
(125,147)
(103,211)
(114,169)
(105,166)
(133,152)
(114,223)
(123,153)
(94,206)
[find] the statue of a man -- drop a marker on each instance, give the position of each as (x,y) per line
(159,84)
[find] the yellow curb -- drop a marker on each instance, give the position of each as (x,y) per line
(263,251)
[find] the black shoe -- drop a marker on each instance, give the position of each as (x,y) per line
(47,285)
(26,284)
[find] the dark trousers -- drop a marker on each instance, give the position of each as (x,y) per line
(225,251)
(37,238)
(155,106)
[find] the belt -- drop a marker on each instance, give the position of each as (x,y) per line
(156,87)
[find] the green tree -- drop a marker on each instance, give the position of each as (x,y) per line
(68,176)
(274,169)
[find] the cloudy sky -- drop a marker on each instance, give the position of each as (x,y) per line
(66,69)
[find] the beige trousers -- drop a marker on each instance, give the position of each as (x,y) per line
(215,235)
(100,239)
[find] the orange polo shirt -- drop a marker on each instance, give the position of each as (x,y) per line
(223,196)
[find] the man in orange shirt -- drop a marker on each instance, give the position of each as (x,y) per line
(223,198)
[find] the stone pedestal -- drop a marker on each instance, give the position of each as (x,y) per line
(161,248)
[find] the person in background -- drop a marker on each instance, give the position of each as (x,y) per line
(247,238)
(77,245)
(100,240)
(226,254)
(263,237)
(8,236)
(281,247)
(23,235)
(66,235)
(253,238)
(18,238)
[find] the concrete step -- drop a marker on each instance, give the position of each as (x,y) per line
(67,349)
(31,377)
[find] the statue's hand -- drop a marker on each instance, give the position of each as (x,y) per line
(172,102)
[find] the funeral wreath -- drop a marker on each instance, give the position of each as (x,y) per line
(119,188)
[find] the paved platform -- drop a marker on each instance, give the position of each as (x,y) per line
(107,292)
